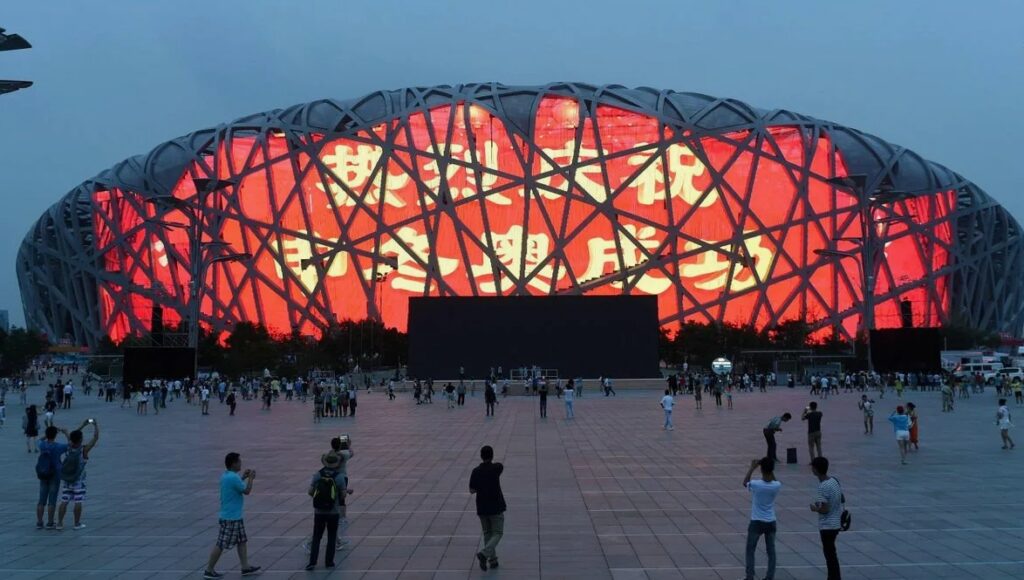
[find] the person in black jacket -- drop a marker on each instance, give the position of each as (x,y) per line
(485,483)
(490,398)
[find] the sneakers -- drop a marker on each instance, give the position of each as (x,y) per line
(60,527)
(250,571)
(310,567)
(493,564)
(483,560)
(212,575)
(79,526)
(39,525)
(51,526)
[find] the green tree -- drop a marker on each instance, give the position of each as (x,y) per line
(250,348)
(18,347)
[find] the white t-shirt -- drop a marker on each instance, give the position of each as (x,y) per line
(68,389)
(205,394)
(666,402)
(570,395)
(762,499)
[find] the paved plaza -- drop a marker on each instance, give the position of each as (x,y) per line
(607,495)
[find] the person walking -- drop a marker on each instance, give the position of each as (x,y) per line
(762,514)
(813,417)
(608,389)
(48,468)
(72,473)
(69,390)
(828,504)
(570,399)
(867,406)
(1004,424)
(697,396)
(543,392)
(490,398)
(485,483)
(233,489)
(204,397)
(328,489)
(666,405)
(774,426)
(232,402)
(461,391)
(30,427)
(914,422)
(901,425)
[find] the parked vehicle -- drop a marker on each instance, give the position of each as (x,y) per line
(987,370)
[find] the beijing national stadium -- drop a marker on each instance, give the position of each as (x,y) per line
(301,217)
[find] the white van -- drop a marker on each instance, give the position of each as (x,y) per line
(988,370)
(1010,373)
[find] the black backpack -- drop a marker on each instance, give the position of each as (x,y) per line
(46,466)
(846,518)
(325,491)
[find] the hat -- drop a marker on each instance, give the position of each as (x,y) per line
(330,459)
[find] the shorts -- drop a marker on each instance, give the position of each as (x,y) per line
(903,435)
(48,490)
(73,492)
(232,533)
(813,438)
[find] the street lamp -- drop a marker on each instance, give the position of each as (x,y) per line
(867,243)
(12,42)
(199,260)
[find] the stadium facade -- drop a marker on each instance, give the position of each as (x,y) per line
(345,209)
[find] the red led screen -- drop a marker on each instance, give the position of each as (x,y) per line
(719,227)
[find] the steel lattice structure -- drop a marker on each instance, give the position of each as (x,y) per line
(348,208)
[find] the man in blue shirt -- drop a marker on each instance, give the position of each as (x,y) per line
(232,529)
(49,486)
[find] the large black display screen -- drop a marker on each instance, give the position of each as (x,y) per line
(141,363)
(589,336)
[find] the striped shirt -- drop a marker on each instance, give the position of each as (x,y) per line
(831,493)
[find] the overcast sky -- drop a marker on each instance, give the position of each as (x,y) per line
(115,78)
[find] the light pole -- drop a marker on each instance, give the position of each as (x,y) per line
(201,254)
(12,42)
(867,243)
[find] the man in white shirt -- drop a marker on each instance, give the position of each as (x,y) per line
(762,513)
(666,404)
(204,397)
(69,389)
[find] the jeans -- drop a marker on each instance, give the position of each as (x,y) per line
(544,406)
(48,490)
(462,399)
(330,522)
(668,418)
(568,410)
(493,528)
(490,408)
(754,532)
(769,436)
(828,547)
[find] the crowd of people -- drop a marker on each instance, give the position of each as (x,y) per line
(61,465)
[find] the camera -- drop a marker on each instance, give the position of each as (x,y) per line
(91,421)
(346,441)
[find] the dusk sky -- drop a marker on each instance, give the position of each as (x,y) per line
(116,78)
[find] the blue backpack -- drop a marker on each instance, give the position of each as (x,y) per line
(47,465)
